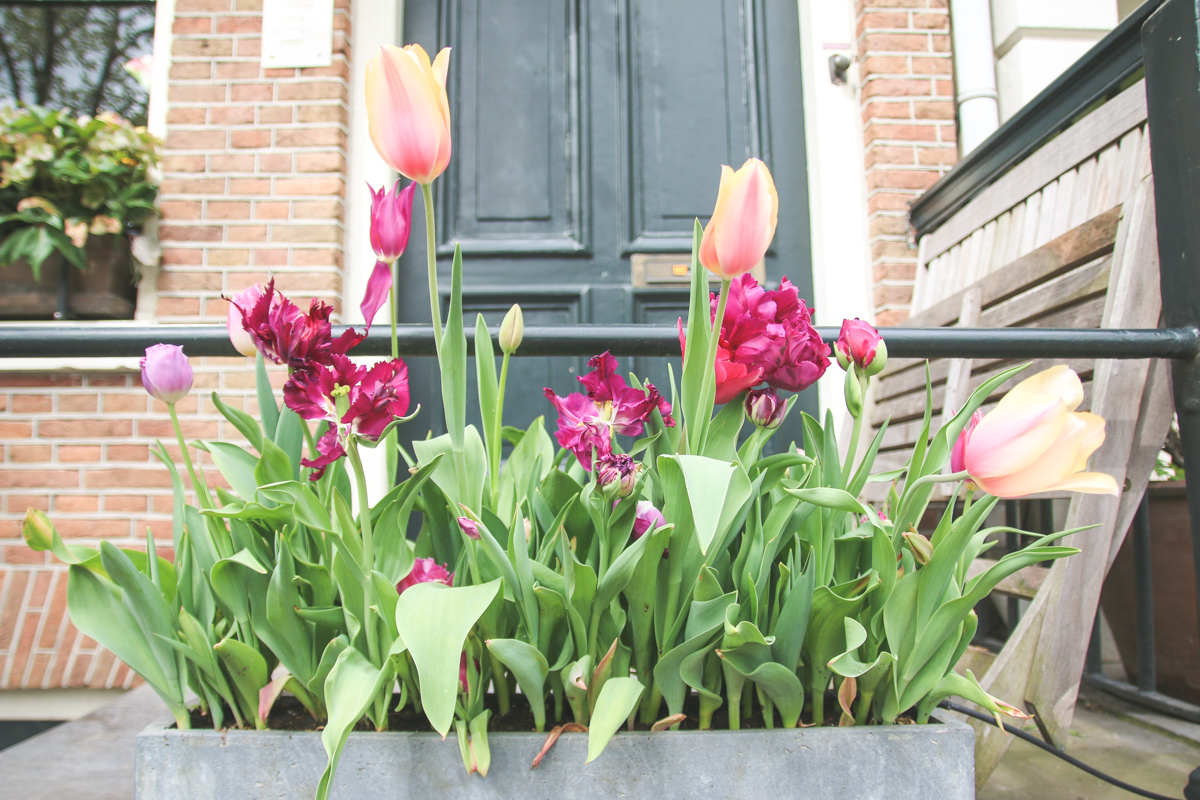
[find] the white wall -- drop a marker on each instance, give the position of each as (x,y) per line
(836,188)
(1036,40)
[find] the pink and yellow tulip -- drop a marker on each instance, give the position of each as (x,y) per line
(1034,440)
(743,222)
(408,113)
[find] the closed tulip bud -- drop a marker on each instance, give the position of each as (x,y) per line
(859,343)
(854,394)
(469,527)
(617,475)
(408,113)
(512,330)
(166,373)
(922,548)
(765,408)
(743,223)
(391,218)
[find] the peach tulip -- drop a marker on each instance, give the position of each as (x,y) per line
(1034,440)
(743,223)
(408,113)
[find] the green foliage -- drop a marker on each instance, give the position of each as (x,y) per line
(65,178)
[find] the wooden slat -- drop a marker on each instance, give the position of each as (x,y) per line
(1013,248)
(1066,289)
(1000,244)
(1108,180)
(1033,218)
(1062,209)
(1074,145)
(1081,203)
(1046,215)
(1078,246)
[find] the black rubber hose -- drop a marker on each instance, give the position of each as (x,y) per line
(1054,751)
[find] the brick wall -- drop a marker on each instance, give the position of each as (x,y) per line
(909,140)
(253,184)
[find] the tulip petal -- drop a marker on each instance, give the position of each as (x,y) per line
(1090,440)
(1012,437)
(1059,381)
(708,244)
(378,287)
(406,120)
(753,209)
(1087,482)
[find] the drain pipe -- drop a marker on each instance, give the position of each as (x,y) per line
(974,72)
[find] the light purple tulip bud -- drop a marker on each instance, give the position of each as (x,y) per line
(648,518)
(391,214)
(470,527)
(166,373)
(765,408)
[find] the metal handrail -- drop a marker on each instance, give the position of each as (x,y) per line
(102,340)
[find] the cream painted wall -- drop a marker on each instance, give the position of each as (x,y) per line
(836,188)
(1035,40)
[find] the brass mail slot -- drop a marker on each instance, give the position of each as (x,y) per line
(662,270)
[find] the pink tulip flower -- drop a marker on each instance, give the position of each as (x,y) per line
(470,527)
(408,113)
(648,518)
(1034,440)
(743,223)
(166,373)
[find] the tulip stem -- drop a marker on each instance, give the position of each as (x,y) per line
(852,450)
(393,302)
(368,546)
(498,425)
(198,488)
(435,300)
(710,376)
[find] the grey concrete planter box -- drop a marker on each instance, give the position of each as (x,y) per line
(897,762)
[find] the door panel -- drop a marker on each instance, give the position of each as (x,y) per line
(586,131)
(694,106)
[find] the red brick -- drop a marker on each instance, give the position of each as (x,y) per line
(76,504)
(933,109)
(938,22)
(311,234)
(275,163)
(135,403)
(329,113)
(127,503)
(178,307)
(911,133)
(29,453)
(196,93)
(173,281)
(84,428)
(192,186)
(268,257)
(180,209)
(243,186)
(249,48)
(275,115)
(232,115)
(252,92)
(32,403)
(189,233)
(900,179)
(877,19)
(202,48)
(187,116)
(309,186)
(312,90)
(276,210)
(127,452)
(183,26)
(319,209)
(310,137)
(229,258)
(127,478)
(246,233)
(15,430)
(897,87)
(191,71)
(184,164)
(200,6)
(320,162)
(18,503)
(252,138)
(895,42)
(239,24)
(234,163)
(39,478)
(227,210)
(932,65)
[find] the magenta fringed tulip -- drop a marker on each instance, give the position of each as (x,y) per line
(408,113)
(860,344)
(1034,440)
(379,286)
(166,373)
(241,338)
(425,570)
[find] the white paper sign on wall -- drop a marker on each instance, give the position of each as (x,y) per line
(297,33)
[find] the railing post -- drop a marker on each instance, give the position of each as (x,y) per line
(1143,582)
(1171,41)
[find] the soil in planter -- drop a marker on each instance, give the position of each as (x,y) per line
(288,715)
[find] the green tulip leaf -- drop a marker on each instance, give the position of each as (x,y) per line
(236,466)
(434,620)
(617,701)
(349,689)
(529,667)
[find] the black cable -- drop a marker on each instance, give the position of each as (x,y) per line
(1075,762)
